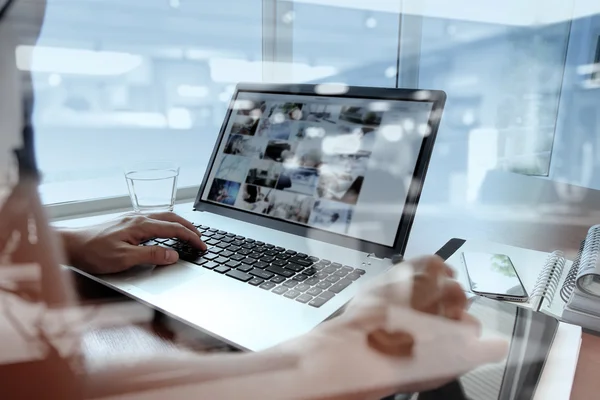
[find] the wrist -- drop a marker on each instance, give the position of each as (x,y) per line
(71,243)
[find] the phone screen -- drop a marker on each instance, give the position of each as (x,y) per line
(493,274)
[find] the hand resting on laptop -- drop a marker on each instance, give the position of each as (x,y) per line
(113,246)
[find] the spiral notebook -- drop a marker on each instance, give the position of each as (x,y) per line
(547,277)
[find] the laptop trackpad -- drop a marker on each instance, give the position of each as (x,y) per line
(159,280)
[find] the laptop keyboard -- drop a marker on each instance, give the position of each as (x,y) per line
(296,276)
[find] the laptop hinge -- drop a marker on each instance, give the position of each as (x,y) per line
(374,256)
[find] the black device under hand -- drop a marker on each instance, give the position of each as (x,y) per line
(450,391)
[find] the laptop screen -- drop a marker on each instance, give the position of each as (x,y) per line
(339,164)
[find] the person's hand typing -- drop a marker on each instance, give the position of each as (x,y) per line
(114,246)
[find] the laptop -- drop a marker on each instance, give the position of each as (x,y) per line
(309,194)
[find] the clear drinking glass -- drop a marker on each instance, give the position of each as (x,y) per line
(152,186)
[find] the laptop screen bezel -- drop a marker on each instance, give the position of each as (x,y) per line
(436,97)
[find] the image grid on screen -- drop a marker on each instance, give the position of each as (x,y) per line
(301,161)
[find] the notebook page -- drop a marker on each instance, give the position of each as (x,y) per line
(528,264)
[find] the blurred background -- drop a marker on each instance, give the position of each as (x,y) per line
(122,81)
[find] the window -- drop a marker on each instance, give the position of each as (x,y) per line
(116,82)
(334,42)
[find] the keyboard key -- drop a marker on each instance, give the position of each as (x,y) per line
(221,260)
(248,260)
(248,246)
(327,295)
(325,262)
(293,267)
(261,273)
(301,261)
(259,243)
(226,253)
(318,267)
(232,264)
(210,265)
(222,232)
(227,240)
(313,258)
(323,285)
(302,255)
(232,235)
(269,246)
(248,240)
(347,268)
(291,294)
(270,253)
(312,281)
(234,248)
(223,245)
(336,265)
(267,259)
(280,263)
(321,275)
(278,279)
(267,285)
(304,298)
(207,234)
(245,268)
(340,273)
(317,302)
(216,250)
(255,255)
(244,251)
(212,242)
(315,291)
(302,287)
(279,271)
(222,269)
(279,249)
(260,264)
(238,237)
(332,278)
(354,276)
(199,261)
(237,257)
(280,290)
(291,252)
(329,270)
(290,283)
(240,276)
(170,242)
(341,285)
(256,281)
(283,256)
(213,229)
(301,277)
(360,271)
(237,243)
(310,271)
(218,237)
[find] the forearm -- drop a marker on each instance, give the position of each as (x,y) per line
(304,368)
(188,375)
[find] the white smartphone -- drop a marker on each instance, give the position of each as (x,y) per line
(494,276)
